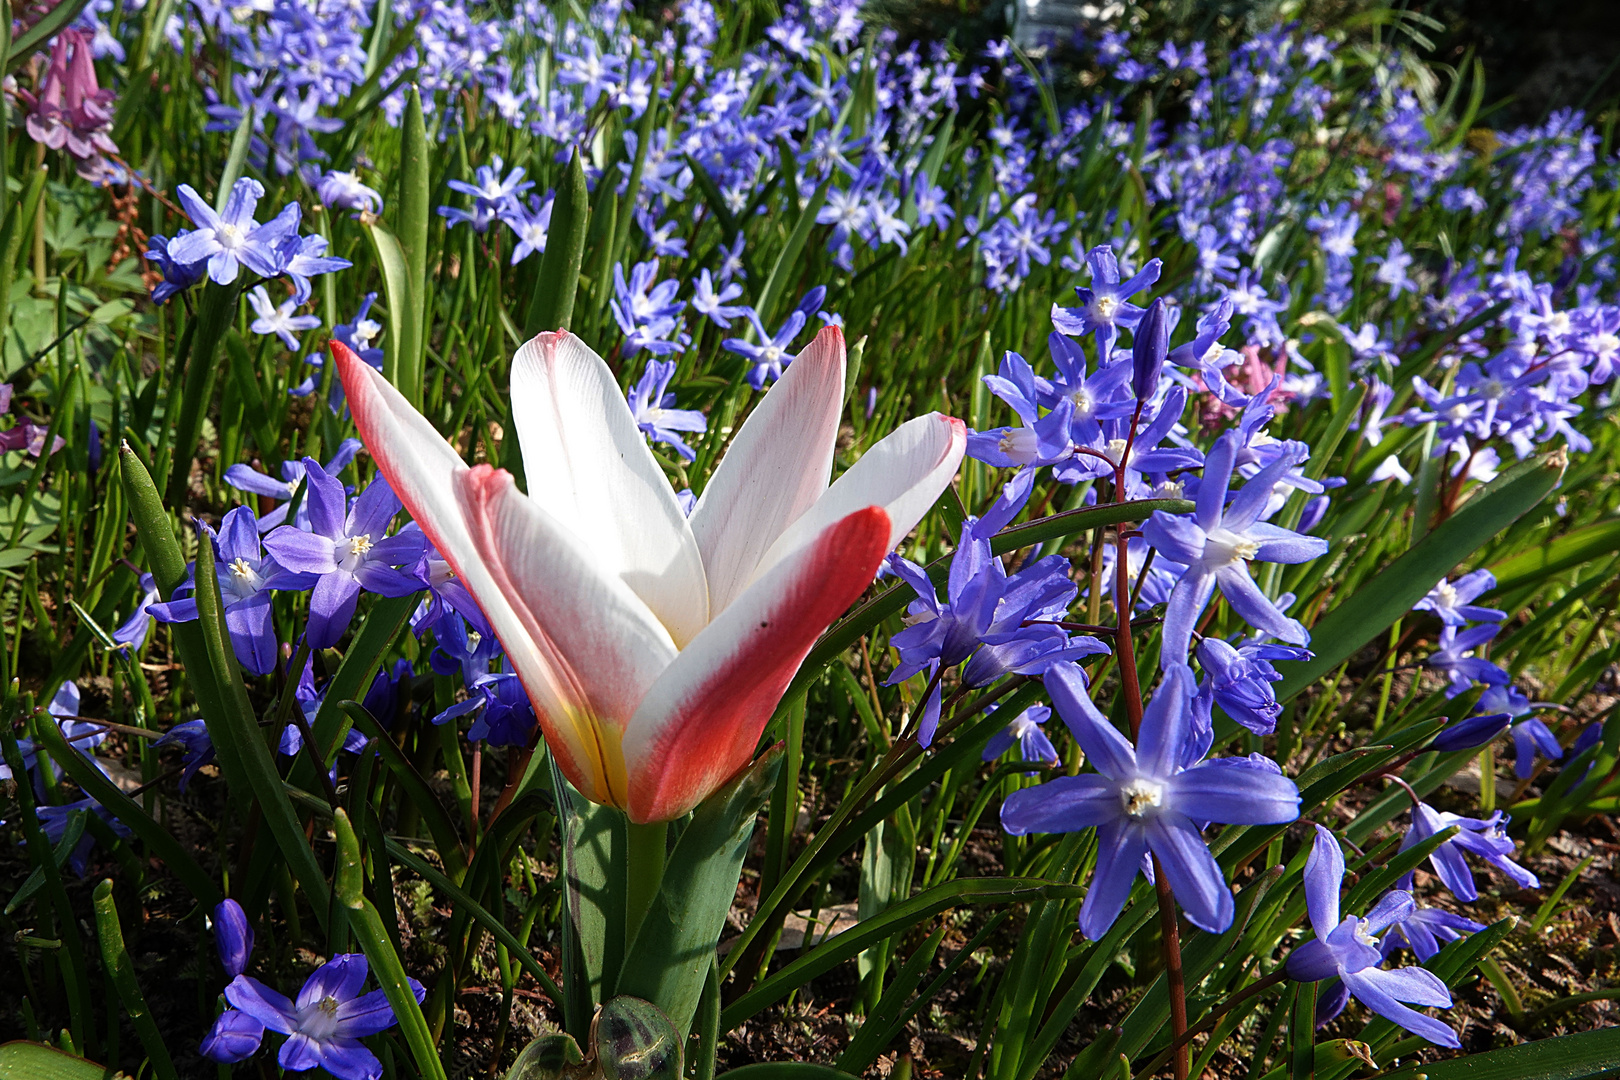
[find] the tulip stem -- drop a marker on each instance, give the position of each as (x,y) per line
(644,872)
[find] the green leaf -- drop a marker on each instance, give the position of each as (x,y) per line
(551,307)
(1391,593)
(1584,1055)
(121,972)
(1545,560)
(787,262)
(368,930)
(905,914)
(240,728)
(31,1061)
(396,273)
(414,182)
(675,947)
(216,310)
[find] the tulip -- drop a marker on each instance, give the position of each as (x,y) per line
(655,647)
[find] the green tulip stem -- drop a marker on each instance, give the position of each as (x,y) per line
(645,851)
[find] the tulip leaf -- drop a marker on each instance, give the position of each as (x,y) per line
(32,1061)
(594,851)
(675,946)
(552,305)
(1372,609)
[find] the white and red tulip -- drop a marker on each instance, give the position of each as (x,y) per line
(655,647)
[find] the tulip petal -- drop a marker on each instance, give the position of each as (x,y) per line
(588,649)
(426,472)
(701,720)
(904,474)
(589,468)
(775,469)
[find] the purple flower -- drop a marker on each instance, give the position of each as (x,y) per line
(279,321)
(491,195)
(653,409)
(347,552)
(1530,735)
(1454,658)
(345,191)
(1039,440)
(1425,930)
(177,277)
(233,937)
(705,301)
(131,634)
(1144,798)
(1453,601)
(1106,306)
(304,257)
(463,650)
(1239,680)
(246,478)
(770,359)
(648,314)
(508,716)
(1349,951)
(532,225)
(1216,544)
(1470,733)
(1149,348)
(82,735)
(246,578)
(54,820)
(326,1022)
(197,748)
(235,1036)
(1025,730)
(230,240)
(1485,837)
(982,618)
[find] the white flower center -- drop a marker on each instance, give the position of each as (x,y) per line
(1364,936)
(1223,547)
(229,236)
(1084,402)
(1104,307)
(1018,444)
(1141,796)
(1116,450)
(359,545)
(319,1021)
(1446,594)
(1167,489)
(1457,412)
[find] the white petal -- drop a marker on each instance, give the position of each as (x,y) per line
(904,473)
(587,642)
(590,469)
(774,470)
